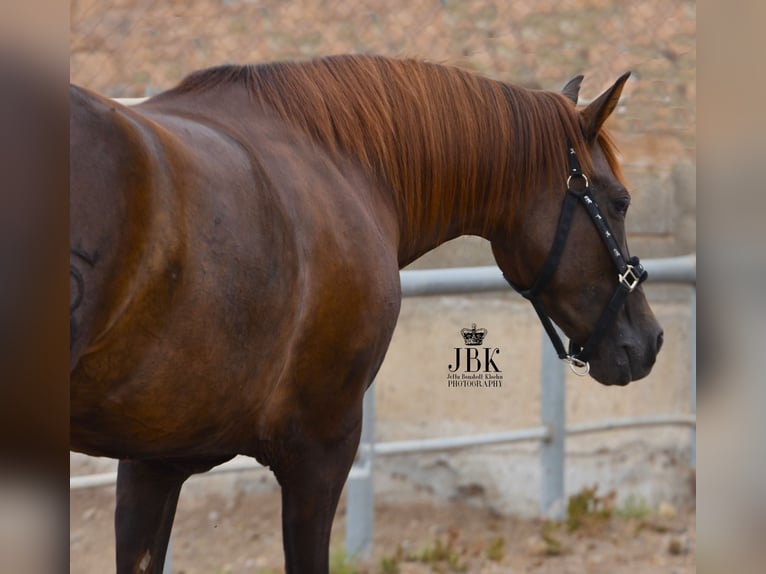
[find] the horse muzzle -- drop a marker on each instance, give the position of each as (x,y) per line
(621,363)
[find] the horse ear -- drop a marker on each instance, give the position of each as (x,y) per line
(572,88)
(600,109)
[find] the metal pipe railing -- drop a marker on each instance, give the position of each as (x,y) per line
(484,279)
(543,433)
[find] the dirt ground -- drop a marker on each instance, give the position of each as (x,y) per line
(215,534)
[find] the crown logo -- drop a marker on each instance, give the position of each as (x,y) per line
(473,336)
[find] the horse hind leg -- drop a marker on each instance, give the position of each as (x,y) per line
(311,486)
(147,496)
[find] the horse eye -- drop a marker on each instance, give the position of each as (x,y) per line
(621,205)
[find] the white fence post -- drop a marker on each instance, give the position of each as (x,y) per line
(167,567)
(359,487)
(553,417)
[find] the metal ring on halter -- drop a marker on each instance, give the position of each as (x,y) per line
(578,367)
(582,175)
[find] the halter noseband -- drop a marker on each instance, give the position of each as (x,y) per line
(630,273)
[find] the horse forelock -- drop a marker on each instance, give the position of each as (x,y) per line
(611,152)
(442,139)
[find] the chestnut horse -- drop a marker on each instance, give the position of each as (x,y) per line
(235,253)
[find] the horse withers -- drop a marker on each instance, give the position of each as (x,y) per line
(235,249)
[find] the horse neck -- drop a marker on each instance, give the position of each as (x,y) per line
(449,200)
(478,163)
(454,153)
(446,170)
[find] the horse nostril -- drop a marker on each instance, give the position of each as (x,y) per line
(660,340)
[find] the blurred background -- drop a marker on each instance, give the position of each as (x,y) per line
(134,48)
(470,499)
(124,48)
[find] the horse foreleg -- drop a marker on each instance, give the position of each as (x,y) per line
(147,496)
(311,486)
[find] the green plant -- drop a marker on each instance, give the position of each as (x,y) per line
(389,565)
(587,508)
(437,551)
(496,549)
(633,507)
(439,554)
(341,563)
(552,546)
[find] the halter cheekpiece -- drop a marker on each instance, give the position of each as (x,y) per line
(630,272)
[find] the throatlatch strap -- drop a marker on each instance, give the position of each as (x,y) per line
(557,246)
(550,330)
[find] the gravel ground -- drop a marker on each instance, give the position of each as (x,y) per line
(217,534)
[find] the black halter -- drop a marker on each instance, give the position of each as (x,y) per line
(630,273)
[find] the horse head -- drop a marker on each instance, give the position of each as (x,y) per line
(571,258)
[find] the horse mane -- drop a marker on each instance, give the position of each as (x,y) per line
(441,138)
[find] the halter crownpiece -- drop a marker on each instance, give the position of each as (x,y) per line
(630,272)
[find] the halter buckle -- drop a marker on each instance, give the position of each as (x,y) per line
(630,278)
(578,366)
